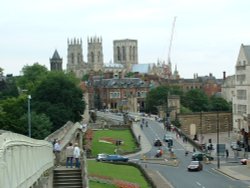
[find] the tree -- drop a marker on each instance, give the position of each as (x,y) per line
(156,97)
(40,125)
(196,100)
(60,98)
(32,76)
(219,104)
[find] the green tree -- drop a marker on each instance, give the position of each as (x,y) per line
(195,100)
(219,104)
(8,88)
(156,97)
(40,125)
(60,98)
(32,76)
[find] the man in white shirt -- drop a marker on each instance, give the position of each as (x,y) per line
(77,154)
(57,150)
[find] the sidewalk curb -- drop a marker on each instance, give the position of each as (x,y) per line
(224,173)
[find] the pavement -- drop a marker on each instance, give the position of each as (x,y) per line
(230,166)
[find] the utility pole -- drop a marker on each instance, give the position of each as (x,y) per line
(171,40)
(29,115)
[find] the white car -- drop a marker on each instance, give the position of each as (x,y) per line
(101,156)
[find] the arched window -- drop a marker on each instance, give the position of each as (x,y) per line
(123,53)
(134,53)
(99,56)
(92,58)
(130,52)
(72,58)
(78,58)
(118,53)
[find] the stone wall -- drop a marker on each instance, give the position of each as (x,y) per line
(205,122)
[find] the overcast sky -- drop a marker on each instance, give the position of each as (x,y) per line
(207,35)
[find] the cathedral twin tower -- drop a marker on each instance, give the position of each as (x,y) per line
(125,52)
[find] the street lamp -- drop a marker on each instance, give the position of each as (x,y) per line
(29,115)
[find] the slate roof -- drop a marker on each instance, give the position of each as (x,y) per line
(120,83)
(55,55)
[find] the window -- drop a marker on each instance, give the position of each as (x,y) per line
(241,94)
(242,109)
(114,95)
(92,57)
(118,53)
(241,77)
(123,53)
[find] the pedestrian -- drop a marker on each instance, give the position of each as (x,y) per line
(57,151)
(69,155)
(77,155)
(227,153)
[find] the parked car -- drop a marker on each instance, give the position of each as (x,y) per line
(101,157)
(235,146)
(113,158)
(198,156)
(195,166)
(167,137)
(157,142)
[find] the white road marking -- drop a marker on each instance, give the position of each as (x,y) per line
(164,179)
(198,183)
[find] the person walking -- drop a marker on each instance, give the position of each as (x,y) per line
(77,155)
(57,150)
(69,155)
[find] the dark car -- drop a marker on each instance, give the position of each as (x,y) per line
(235,146)
(198,156)
(157,143)
(112,158)
(195,166)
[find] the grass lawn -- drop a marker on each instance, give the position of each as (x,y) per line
(120,172)
(124,135)
(100,185)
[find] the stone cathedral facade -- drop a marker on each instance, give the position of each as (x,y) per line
(125,59)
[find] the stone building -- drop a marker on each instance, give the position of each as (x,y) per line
(56,62)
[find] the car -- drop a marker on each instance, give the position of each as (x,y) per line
(195,166)
(111,158)
(244,161)
(167,137)
(101,157)
(157,142)
(198,156)
(235,146)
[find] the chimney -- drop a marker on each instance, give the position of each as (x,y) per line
(224,75)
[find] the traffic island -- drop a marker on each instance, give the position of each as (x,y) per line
(169,160)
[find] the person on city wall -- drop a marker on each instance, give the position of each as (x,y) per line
(77,155)
(57,151)
(69,155)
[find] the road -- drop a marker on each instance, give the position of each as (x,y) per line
(178,176)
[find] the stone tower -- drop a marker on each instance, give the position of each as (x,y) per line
(56,62)
(125,52)
(75,56)
(95,53)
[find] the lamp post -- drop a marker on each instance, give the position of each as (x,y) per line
(29,116)
(218,141)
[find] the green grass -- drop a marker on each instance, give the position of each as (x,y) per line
(124,135)
(121,172)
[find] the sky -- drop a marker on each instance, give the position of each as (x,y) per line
(206,38)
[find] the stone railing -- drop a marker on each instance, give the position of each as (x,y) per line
(23,160)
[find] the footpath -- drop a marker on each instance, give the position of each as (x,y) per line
(230,166)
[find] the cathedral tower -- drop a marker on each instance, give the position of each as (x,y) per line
(125,52)
(95,53)
(56,62)
(75,55)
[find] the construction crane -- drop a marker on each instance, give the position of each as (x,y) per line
(167,68)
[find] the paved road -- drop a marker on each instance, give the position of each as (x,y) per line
(179,176)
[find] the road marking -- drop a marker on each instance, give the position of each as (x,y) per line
(198,183)
(164,179)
